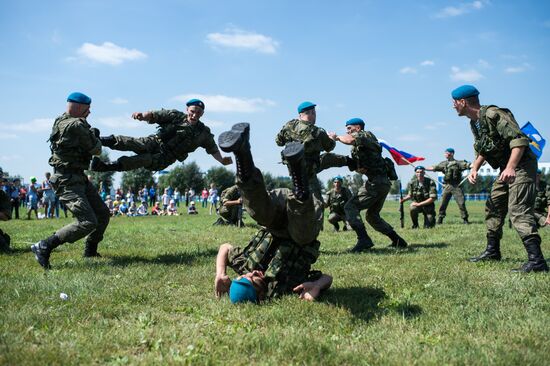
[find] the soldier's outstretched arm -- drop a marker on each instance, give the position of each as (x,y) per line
(310,291)
(222,280)
(142,116)
(345,139)
(472,177)
(225,160)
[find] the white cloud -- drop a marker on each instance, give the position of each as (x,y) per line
(108,53)
(236,38)
(223,103)
(119,101)
(408,70)
(409,137)
(427,63)
(10,157)
(461,9)
(213,124)
(35,126)
(468,76)
(435,126)
(517,69)
(7,136)
(483,64)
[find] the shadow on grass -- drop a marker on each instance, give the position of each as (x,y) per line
(429,246)
(165,259)
(369,303)
(373,251)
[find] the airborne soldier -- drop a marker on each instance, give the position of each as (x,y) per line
(452,170)
(423,192)
(178,134)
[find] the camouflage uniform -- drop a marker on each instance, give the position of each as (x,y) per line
(287,247)
(5,208)
(452,170)
(315,140)
(420,192)
(230,213)
(175,139)
(335,203)
(72,146)
(541,203)
(367,152)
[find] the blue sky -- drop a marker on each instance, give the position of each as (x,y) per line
(392,63)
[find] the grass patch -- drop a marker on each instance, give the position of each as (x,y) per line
(150,300)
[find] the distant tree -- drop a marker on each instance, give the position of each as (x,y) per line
(276,182)
(136,179)
(221,176)
(102,179)
(183,176)
(354,182)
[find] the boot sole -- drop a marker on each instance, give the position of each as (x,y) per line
(230,141)
(293,151)
(35,250)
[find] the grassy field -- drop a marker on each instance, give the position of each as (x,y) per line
(150,300)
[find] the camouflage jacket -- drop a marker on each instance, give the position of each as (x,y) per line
(229,194)
(315,140)
(337,200)
(452,170)
(72,144)
(421,192)
(367,152)
(5,203)
(179,137)
(543,193)
(285,264)
(496,133)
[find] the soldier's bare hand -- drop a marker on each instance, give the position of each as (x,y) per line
(221,285)
(138,116)
(508,175)
(472,177)
(332,135)
(307,291)
(548,217)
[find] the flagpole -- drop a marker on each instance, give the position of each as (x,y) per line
(414,166)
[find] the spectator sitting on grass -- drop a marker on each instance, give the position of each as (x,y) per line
(123,208)
(109,203)
(172,209)
(132,210)
(192,209)
(156,211)
(142,209)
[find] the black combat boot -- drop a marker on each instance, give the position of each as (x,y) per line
(465,221)
(440,220)
(414,224)
(535,262)
(293,154)
(492,252)
(108,141)
(90,250)
(237,141)
(97,165)
(396,240)
(219,221)
(364,242)
(336,227)
(43,249)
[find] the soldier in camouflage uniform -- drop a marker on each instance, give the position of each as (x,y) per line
(336,199)
(278,259)
(452,170)
(499,141)
(315,141)
(423,192)
(367,153)
(541,201)
(230,206)
(73,142)
(178,134)
(5,213)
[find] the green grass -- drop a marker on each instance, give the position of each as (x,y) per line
(150,300)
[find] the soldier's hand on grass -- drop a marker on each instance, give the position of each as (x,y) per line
(472,177)
(508,175)
(221,285)
(307,291)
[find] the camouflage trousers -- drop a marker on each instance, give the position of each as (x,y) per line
(449,191)
(370,197)
(336,217)
(150,153)
(429,215)
(279,211)
(81,198)
(230,214)
(517,199)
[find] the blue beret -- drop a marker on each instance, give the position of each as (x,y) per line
(539,171)
(419,167)
(355,121)
(79,98)
(242,290)
(338,177)
(464,91)
(450,150)
(305,106)
(196,102)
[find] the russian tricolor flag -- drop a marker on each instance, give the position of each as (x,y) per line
(401,157)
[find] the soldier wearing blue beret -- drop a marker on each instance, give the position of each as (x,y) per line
(499,141)
(73,142)
(178,135)
(452,170)
(423,192)
(336,200)
(542,201)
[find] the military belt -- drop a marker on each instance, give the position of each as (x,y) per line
(68,170)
